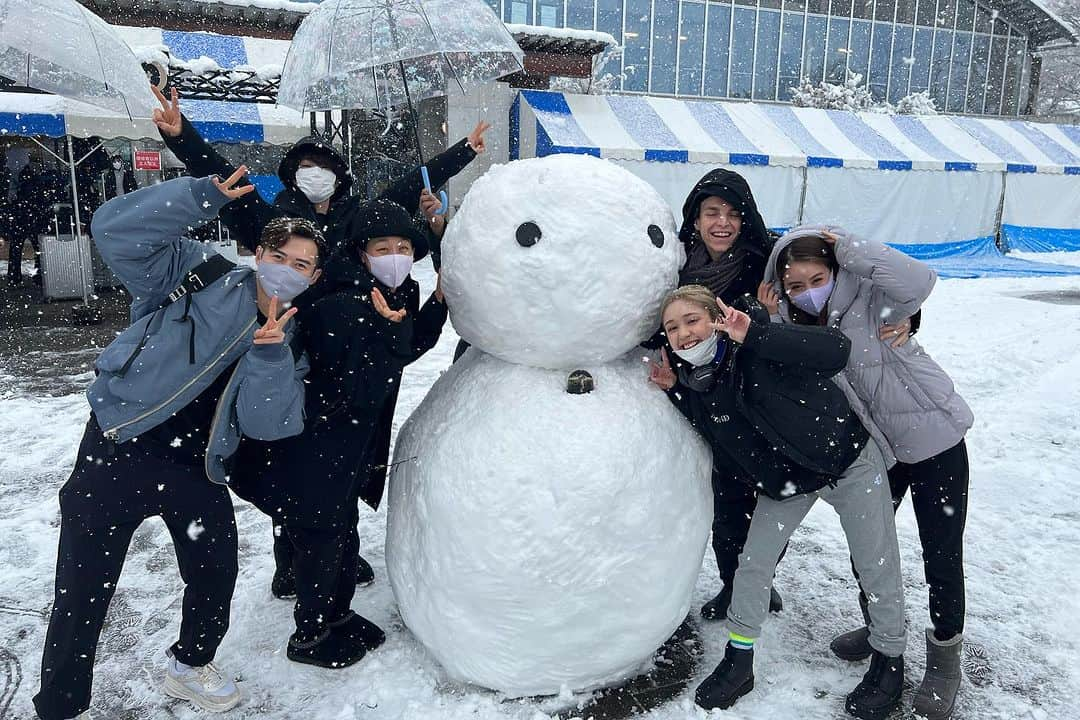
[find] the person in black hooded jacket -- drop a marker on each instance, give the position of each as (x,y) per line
(359,337)
(316,179)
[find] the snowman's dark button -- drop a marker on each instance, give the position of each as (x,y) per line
(656,235)
(528,234)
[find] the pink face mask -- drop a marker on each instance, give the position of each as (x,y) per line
(391,270)
(814,300)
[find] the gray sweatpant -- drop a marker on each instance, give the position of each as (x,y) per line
(862,500)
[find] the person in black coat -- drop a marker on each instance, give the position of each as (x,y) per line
(764,399)
(40,187)
(118,178)
(359,338)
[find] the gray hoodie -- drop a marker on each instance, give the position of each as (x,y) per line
(141,236)
(902,391)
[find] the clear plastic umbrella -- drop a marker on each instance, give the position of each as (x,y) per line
(384,53)
(61,47)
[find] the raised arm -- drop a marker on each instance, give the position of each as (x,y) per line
(819,350)
(270,399)
(245,218)
(406,191)
(905,281)
(141,235)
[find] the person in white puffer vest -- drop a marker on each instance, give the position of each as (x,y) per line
(822,275)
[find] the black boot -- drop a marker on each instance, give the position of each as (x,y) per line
(878,694)
(732,678)
(716,609)
(359,630)
(331,650)
(854,645)
(364,574)
(283,586)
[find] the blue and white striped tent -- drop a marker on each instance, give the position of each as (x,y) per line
(933,185)
(26,114)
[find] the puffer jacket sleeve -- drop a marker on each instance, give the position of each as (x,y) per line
(141,235)
(810,348)
(270,398)
(905,281)
(406,191)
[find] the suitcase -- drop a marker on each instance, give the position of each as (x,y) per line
(66,266)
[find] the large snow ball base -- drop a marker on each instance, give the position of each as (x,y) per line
(539,540)
(559,261)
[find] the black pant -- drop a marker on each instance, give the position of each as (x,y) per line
(15,252)
(112,489)
(939,495)
(324,562)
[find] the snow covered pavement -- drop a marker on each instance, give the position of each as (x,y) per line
(1015,360)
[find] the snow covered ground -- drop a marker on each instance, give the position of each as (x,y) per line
(1016,361)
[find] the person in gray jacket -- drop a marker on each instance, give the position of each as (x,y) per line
(826,276)
(206,359)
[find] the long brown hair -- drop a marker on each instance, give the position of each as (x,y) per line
(804,249)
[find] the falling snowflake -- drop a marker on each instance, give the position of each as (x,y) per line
(195,529)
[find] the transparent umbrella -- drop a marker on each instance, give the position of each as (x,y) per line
(378,54)
(61,47)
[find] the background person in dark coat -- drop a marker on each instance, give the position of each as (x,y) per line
(40,187)
(119,179)
(359,338)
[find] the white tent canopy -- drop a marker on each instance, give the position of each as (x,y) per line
(933,185)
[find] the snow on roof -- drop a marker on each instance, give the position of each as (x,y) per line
(563,33)
(288,5)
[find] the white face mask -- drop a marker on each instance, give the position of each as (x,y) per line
(118,164)
(390,270)
(701,354)
(317,184)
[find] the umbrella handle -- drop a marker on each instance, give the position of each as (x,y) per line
(443,199)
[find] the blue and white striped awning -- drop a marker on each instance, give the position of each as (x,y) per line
(218,121)
(27,114)
(692,131)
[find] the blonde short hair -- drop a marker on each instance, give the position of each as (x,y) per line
(694,294)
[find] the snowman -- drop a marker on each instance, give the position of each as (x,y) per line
(549,508)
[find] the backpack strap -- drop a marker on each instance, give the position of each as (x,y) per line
(199,277)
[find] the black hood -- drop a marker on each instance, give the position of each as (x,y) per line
(732,187)
(384,218)
(315,145)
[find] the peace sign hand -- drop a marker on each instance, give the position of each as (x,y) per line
(229,189)
(476,137)
(383,309)
(168,118)
(661,374)
(273,331)
(733,322)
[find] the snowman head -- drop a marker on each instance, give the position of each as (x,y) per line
(559,262)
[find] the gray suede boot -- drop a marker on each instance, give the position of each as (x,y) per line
(937,693)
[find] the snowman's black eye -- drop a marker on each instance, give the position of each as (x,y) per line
(656,235)
(528,234)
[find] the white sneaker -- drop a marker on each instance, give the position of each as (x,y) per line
(204,686)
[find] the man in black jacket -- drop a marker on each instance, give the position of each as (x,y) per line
(359,338)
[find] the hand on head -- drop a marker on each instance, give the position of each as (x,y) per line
(767,296)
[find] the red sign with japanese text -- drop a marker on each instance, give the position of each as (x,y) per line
(147,160)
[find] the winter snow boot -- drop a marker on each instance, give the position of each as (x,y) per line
(331,650)
(716,609)
(878,694)
(937,693)
(854,645)
(283,586)
(732,678)
(364,574)
(360,630)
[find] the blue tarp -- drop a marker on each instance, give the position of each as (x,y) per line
(978,259)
